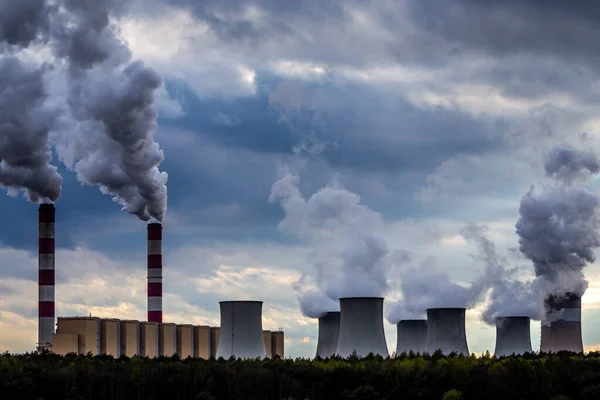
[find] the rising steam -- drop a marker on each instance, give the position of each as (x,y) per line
(25,120)
(350,257)
(558,227)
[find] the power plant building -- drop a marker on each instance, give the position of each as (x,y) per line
(446,331)
(110,337)
(512,336)
(241,333)
(561,326)
(361,327)
(130,338)
(329,331)
(152,338)
(202,341)
(411,336)
(185,341)
(149,342)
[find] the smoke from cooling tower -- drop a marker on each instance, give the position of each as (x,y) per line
(112,102)
(350,257)
(25,120)
(558,227)
(313,303)
(510,295)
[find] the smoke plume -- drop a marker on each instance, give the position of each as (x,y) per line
(510,294)
(25,119)
(112,101)
(350,257)
(558,227)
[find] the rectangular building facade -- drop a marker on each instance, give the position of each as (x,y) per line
(130,338)
(167,339)
(202,340)
(110,337)
(214,340)
(185,341)
(88,330)
(277,344)
(65,343)
(149,345)
(267,339)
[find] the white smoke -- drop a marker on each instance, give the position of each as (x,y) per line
(25,119)
(558,226)
(350,257)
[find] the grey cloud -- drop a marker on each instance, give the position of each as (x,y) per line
(23,22)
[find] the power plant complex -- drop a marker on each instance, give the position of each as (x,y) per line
(240,334)
(358,327)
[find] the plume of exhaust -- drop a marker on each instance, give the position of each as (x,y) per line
(112,102)
(313,303)
(25,118)
(558,225)
(510,295)
(349,256)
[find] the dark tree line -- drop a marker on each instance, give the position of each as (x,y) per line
(532,376)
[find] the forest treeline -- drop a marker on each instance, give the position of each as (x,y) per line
(48,376)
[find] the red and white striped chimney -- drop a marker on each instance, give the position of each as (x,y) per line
(155,272)
(46,275)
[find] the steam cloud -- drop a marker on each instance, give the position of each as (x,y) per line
(558,228)
(25,119)
(104,131)
(350,258)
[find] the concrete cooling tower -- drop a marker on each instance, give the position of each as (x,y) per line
(361,327)
(46,220)
(241,330)
(561,326)
(412,334)
(329,330)
(512,336)
(446,331)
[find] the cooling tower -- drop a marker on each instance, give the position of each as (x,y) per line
(155,272)
(446,331)
(561,326)
(512,336)
(46,222)
(241,330)
(361,327)
(412,334)
(329,331)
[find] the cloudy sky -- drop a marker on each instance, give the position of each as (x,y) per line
(434,114)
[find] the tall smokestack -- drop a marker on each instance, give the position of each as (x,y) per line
(155,272)
(412,335)
(446,331)
(329,331)
(361,327)
(512,336)
(561,326)
(46,275)
(241,333)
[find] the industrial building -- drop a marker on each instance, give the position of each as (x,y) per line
(241,333)
(446,331)
(412,336)
(83,335)
(151,338)
(512,336)
(329,332)
(361,327)
(561,326)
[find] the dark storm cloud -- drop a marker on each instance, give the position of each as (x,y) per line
(23,21)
